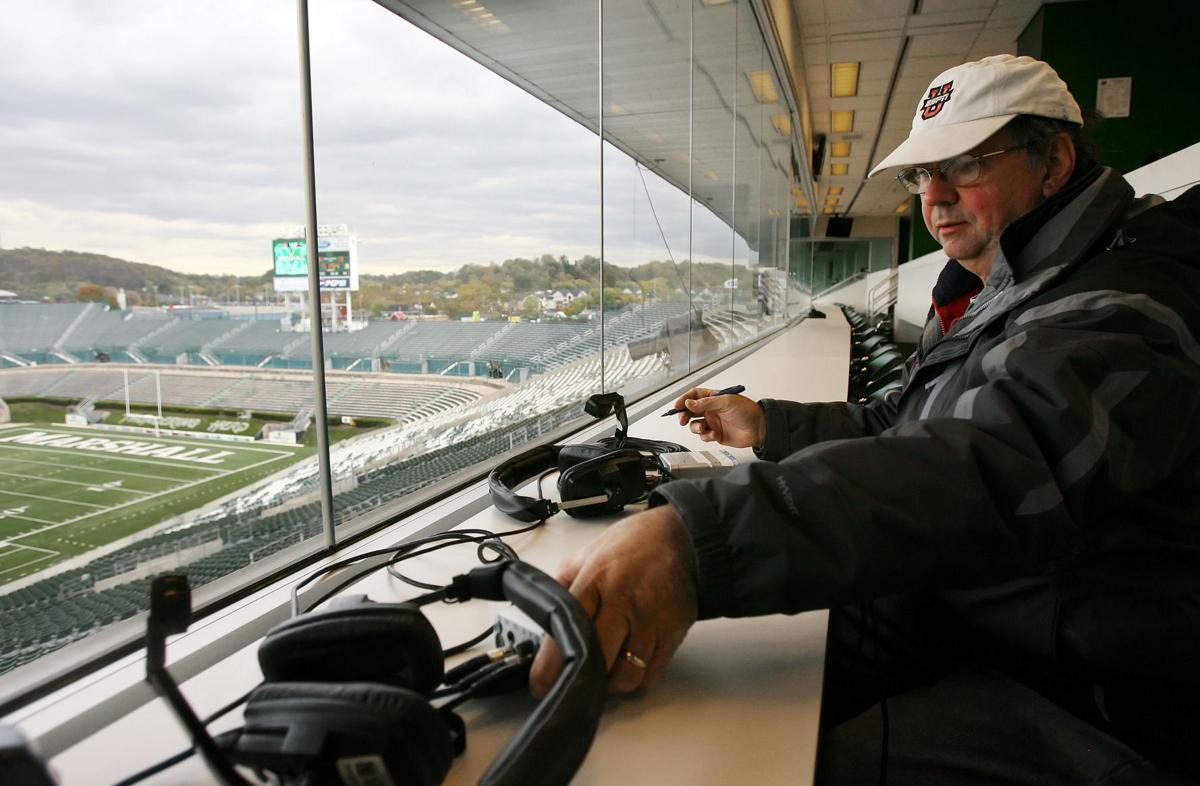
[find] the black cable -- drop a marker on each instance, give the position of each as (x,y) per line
(182,756)
(488,542)
(466,645)
(415,548)
(230,706)
(492,680)
(154,769)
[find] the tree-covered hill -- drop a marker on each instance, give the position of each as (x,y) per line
(492,289)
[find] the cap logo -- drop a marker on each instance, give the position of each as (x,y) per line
(937,98)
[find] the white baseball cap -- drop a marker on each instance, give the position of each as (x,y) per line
(968,103)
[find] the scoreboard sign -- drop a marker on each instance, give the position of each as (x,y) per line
(337,266)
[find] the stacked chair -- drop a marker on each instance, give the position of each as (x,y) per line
(876,364)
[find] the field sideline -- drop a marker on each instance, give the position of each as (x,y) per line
(65,491)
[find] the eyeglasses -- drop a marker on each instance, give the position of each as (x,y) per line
(959,171)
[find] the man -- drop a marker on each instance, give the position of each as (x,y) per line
(1010,546)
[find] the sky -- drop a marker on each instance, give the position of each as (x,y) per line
(168,132)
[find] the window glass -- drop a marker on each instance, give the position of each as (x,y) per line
(758,94)
(648,274)
(715,94)
(150,155)
(474,206)
(157,408)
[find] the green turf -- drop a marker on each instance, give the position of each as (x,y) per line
(66,500)
(36,412)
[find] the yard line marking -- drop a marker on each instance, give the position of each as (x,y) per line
(24,565)
(182,487)
(78,483)
(23,547)
(91,468)
(28,518)
(60,500)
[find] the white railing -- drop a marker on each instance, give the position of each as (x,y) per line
(882,295)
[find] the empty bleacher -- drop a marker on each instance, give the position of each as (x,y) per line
(111,331)
(442,342)
(394,397)
(362,343)
(35,329)
(526,341)
(182,336)
(251,346)
(52,612)
(58,334)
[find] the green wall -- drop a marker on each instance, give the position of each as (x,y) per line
(1152,41)
(920,242)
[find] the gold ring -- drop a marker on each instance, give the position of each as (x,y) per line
(635,660)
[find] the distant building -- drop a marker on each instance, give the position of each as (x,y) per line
(557,299)
(8,297)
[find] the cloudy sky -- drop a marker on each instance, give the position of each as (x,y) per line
(168,132)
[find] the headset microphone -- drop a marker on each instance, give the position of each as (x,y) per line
(170,612)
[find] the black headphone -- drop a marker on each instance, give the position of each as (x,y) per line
(595,478)
(346,699)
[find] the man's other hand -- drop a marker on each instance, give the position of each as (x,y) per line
(637,581)
(731,420)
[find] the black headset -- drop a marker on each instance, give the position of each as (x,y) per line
(346,699)
(595,478)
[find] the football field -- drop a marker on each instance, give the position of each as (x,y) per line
(65,491)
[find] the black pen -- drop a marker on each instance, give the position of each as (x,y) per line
(726,392)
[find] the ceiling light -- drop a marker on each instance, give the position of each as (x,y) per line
(480,15)
(831,201)
(828,211)
(763,86)
(836,190)
(842,121)
(840,149)
(715,2)
(711,175)
(904,206)
(796,191)
(783,124)
(839,169)
(844,80)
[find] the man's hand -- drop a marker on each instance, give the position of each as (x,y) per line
(638,583)
(730,420)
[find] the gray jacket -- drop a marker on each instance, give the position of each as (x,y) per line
(1039,471)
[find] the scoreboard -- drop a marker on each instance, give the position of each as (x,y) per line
(337,261)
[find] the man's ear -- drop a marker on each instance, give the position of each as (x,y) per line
(1060,165)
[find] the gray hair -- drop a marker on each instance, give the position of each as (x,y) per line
(1037,135)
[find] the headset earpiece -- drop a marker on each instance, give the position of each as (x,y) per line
(570,455)
(613,468)
(356,640)
(342,733)
(619,475)
(335,733)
